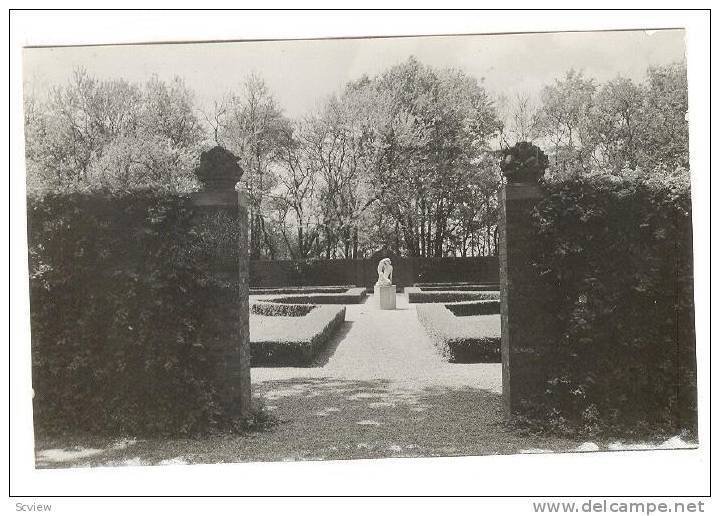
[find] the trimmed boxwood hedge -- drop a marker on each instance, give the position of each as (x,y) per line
(293,341)
(615,252)
(301,290)
(461,339)
(468,308)
(280,310)
(460,288)
(443,284)
(351,296)
(418,295)
(125,314)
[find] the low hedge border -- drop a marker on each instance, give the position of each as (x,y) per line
(351,296)
(417,295)
(470,308)
(461,288)
(292,341)
(461,339)
(334,289)
(442,284)
(280,310)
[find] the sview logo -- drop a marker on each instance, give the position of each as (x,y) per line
(42,507)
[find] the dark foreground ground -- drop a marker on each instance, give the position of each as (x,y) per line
(331,419)
(379,390)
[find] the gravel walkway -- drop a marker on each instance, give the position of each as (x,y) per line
(378,390)
(387,345)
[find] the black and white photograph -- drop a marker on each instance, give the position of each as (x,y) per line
(348,248)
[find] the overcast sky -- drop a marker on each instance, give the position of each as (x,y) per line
(302,72)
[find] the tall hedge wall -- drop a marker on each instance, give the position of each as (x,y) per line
(363,272)
(126,313)
(617,251)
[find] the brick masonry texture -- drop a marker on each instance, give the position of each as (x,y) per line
(524,318)
(229,347)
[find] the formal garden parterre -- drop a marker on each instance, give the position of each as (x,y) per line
(291,334)
(463,332)
(547,301)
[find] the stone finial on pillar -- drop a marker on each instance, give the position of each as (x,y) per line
(218,169)
(523,163)
(521,309)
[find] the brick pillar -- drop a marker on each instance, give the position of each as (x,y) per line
(229,334)
(523,318)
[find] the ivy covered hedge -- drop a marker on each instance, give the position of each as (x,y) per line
(125,313)
(616,252)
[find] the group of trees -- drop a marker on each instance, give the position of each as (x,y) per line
(619,125)
(375,166)
(405,161)
(113,135)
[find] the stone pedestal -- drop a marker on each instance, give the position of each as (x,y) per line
(385,296)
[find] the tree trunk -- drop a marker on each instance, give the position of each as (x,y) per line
(423,214)
(255,237)
(428,236)
(355,243)
(440,224)
(328,243)
(397,237)
(301,244)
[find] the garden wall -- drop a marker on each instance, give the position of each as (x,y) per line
(406,271)
(138,308)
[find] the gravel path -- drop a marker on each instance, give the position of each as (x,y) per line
(378,390)
(387,345)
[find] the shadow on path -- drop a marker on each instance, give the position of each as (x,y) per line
(330,418)
(326,354)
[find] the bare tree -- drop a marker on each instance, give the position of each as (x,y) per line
(295,195)
(521,119)
(251,125)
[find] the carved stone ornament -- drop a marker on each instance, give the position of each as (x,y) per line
(218,169)
(523,163)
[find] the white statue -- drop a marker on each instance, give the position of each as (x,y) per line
(384,273)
